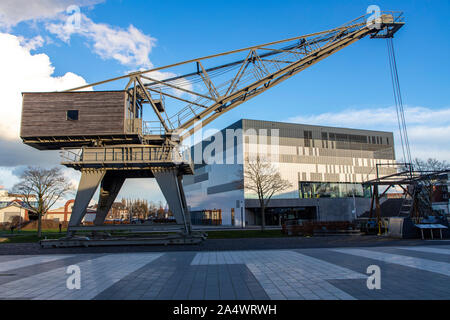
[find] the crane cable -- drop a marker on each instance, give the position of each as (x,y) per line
(398,102)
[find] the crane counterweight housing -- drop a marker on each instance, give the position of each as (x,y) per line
(112,140)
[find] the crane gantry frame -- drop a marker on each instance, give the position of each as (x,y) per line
(206,87)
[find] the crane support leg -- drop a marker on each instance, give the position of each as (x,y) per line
(109,189)
(90,179)
(170,184)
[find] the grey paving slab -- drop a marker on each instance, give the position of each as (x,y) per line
(234,275)
(397,281)
(408,261)
(405,251)
(17,272)
(283,273)
(159,279)
(183,280)
(441,250)
(97,274)
(29,261)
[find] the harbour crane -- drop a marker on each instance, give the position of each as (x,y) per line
(116,144)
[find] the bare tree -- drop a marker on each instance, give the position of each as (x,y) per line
(431,165)
(40,189)
(429,183)
(263,178)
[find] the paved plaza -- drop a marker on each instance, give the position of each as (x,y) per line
(407,272)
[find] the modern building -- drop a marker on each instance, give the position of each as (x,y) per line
(63,214)
(326,167)
(12,206)
(6,198)
(15,212)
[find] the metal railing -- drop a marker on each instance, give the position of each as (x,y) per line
(152,128)
(127,154)
(70,155)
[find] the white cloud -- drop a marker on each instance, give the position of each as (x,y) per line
(428,129)
(31,44)
(7,178)
(22,71)
(13,12)
(129,47)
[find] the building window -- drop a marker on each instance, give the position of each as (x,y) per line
(307,137)
(313,190)
(207,217)
(324,140)
(72,115)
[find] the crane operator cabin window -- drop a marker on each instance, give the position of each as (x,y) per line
(72,115)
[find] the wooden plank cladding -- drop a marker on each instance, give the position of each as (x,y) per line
(72,116)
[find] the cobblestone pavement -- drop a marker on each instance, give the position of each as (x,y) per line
(407,272)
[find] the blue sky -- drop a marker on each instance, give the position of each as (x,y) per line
(351,88)
(356,76)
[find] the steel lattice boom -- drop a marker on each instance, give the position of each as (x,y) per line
(213,85)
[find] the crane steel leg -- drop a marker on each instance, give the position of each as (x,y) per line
(110,187)
(90,179)
(172,189)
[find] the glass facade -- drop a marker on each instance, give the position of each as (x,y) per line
(275,216)
(312,190)
(207,217)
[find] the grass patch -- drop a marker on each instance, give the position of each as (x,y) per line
(239,234)
(25,232)
(30,236)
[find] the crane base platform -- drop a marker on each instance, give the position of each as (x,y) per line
(84,241)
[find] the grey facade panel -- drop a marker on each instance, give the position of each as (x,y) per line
(231,186)
(340,142)
(201,177)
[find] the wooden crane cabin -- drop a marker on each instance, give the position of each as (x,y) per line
(55,120)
